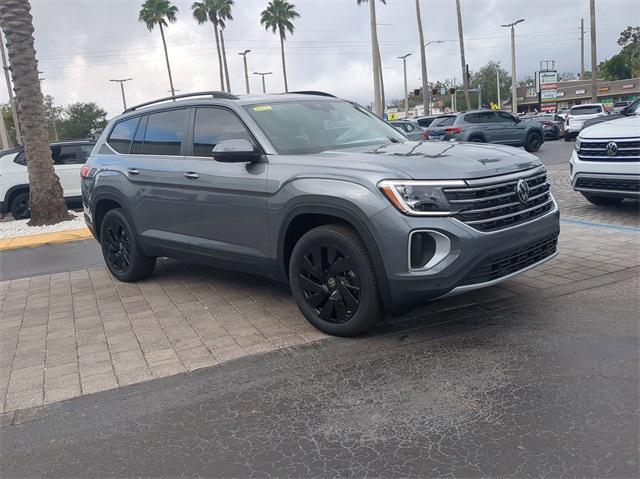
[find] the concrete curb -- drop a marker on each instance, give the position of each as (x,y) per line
(33,241)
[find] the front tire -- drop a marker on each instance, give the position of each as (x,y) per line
(602,200)
(19,206)
(333,281)
(122,254)
(533,142)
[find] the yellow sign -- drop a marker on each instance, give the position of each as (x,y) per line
(262,108)
(393,116)
(494,106)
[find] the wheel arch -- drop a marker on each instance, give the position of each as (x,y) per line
(15,189)
(104,202)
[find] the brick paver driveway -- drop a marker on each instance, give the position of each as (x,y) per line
(69,334)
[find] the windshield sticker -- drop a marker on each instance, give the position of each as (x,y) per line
(262,108)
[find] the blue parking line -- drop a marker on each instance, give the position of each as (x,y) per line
(628,229)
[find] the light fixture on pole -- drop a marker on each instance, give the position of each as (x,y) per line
(263,74)
(514,85)
(246,69)
(406,91)
(121,81)
(426,78)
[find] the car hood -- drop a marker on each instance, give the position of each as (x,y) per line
(440,160)
(624,127)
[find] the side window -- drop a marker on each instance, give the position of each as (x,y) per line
(66,155)
(138,140)
(122,134)
(164,133)
(20,159)
(471,118)
(213,125)
(504,117)
(486,117)
(85,151)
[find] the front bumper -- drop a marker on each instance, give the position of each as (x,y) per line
(605,178)
(476,259)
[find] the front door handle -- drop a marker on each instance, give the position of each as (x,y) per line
(133,171)
(191,175)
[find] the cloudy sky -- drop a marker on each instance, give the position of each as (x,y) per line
(81,44)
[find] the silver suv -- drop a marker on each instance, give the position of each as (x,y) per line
(317,192)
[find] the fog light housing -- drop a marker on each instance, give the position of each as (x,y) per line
(427,249)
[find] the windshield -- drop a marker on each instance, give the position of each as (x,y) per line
(312,126)
(443,121)
(633,108)
(585,110)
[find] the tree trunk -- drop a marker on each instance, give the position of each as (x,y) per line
(224,60)
(378,106)
(46,199)
(284,65)
(426,91)
(166,57)
(220,69)
(465,80)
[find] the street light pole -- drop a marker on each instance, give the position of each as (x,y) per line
(582,49)
(427,94)
(406,90)
(514,84)
(263,74)
(594,55)
(121,81)
(246,69)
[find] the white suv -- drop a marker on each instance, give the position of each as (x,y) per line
(578,115)
(605,164)
(68,158)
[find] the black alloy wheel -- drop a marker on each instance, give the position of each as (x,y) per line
(117,245)
(20,206)
(533,143)
(331,286)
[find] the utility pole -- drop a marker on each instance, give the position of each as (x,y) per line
(498,86)
(426,94)
(263,74)
(582,49)
(378,104)
(465,80)
(246,69)
(406,90)
(514,84)
(594,55)
(12,102)
(124,100)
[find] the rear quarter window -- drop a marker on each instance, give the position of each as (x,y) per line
(444,121)
(122,135)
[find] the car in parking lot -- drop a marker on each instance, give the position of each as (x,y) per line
(552,124)
(409,128)
(578,115)
(605,163)
(425,121)
(68,157)
(630,110)
(316,192)
(488,126)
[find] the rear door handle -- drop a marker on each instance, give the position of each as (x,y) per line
(133,171)
(191,175)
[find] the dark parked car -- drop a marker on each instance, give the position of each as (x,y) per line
(425,121)
(317,192)
(552,124)
(409,128)
(488,126)
(630,110)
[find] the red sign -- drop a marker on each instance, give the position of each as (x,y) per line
(548,86)
(548,108)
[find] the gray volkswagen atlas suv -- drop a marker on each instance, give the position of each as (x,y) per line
(318,192)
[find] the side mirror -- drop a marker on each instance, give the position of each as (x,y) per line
(235,151)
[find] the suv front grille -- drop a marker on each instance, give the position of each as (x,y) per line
(497,205)
(625,149)
(509,262)
(608,184)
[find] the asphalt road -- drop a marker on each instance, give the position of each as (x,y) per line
(84,254)
(546,389)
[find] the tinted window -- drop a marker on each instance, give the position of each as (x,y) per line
(20,159)
(66,155)
(164,133)
(472,118)
(585,110)
(504,117)
(85,151)
(443,121)
(424,122)
(138,140)
(214,125)
(122,134)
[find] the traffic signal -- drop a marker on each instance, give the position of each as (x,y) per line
(435,92)
(417,91)
(452,91)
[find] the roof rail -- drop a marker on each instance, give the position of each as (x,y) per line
(213,94)
(312,92)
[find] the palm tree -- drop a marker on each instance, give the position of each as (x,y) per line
(224,14)
(203,12)
(46,200)
(378,93)
(277,17)
(158,12)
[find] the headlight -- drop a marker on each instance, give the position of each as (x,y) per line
(419,198)
(577,145)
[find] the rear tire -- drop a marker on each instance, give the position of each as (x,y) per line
(333,281)
(19,205)
(567,137)
(602,200)
(533,142)
(122,254)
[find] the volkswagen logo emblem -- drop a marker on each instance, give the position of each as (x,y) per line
(522,190)
(612,149)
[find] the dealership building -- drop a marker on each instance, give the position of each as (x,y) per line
(575,92)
